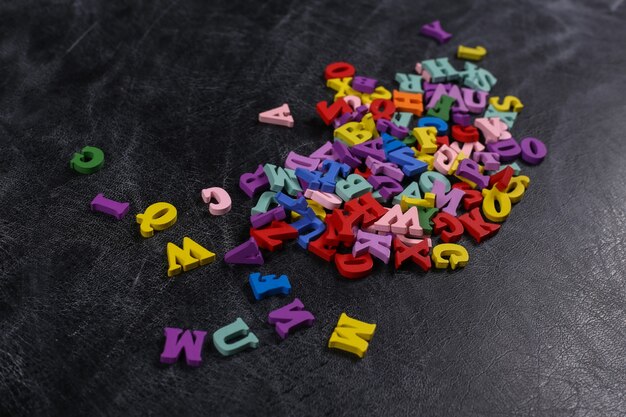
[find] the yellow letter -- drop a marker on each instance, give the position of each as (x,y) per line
(517,187)
(353,133)
(351,335)
(158,216)
(457,253)
(427,138)
(509,101)
(189,257)
(473,54)
(427,201)
(342,87)
(489,205)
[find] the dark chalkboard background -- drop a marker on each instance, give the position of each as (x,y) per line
(534,325)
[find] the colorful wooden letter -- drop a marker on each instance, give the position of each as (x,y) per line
(158,216)
(289,317)
(189,257)
(190,344)
(352,335)
(223,336)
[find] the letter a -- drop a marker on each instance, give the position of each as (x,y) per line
(280,116)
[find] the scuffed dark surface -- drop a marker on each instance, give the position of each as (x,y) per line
(534,326)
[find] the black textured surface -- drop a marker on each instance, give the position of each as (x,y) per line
(533,326)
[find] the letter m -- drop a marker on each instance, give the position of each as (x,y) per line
(351,335)
(174,345)
(189,257)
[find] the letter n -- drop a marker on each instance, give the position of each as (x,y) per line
(289,317)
